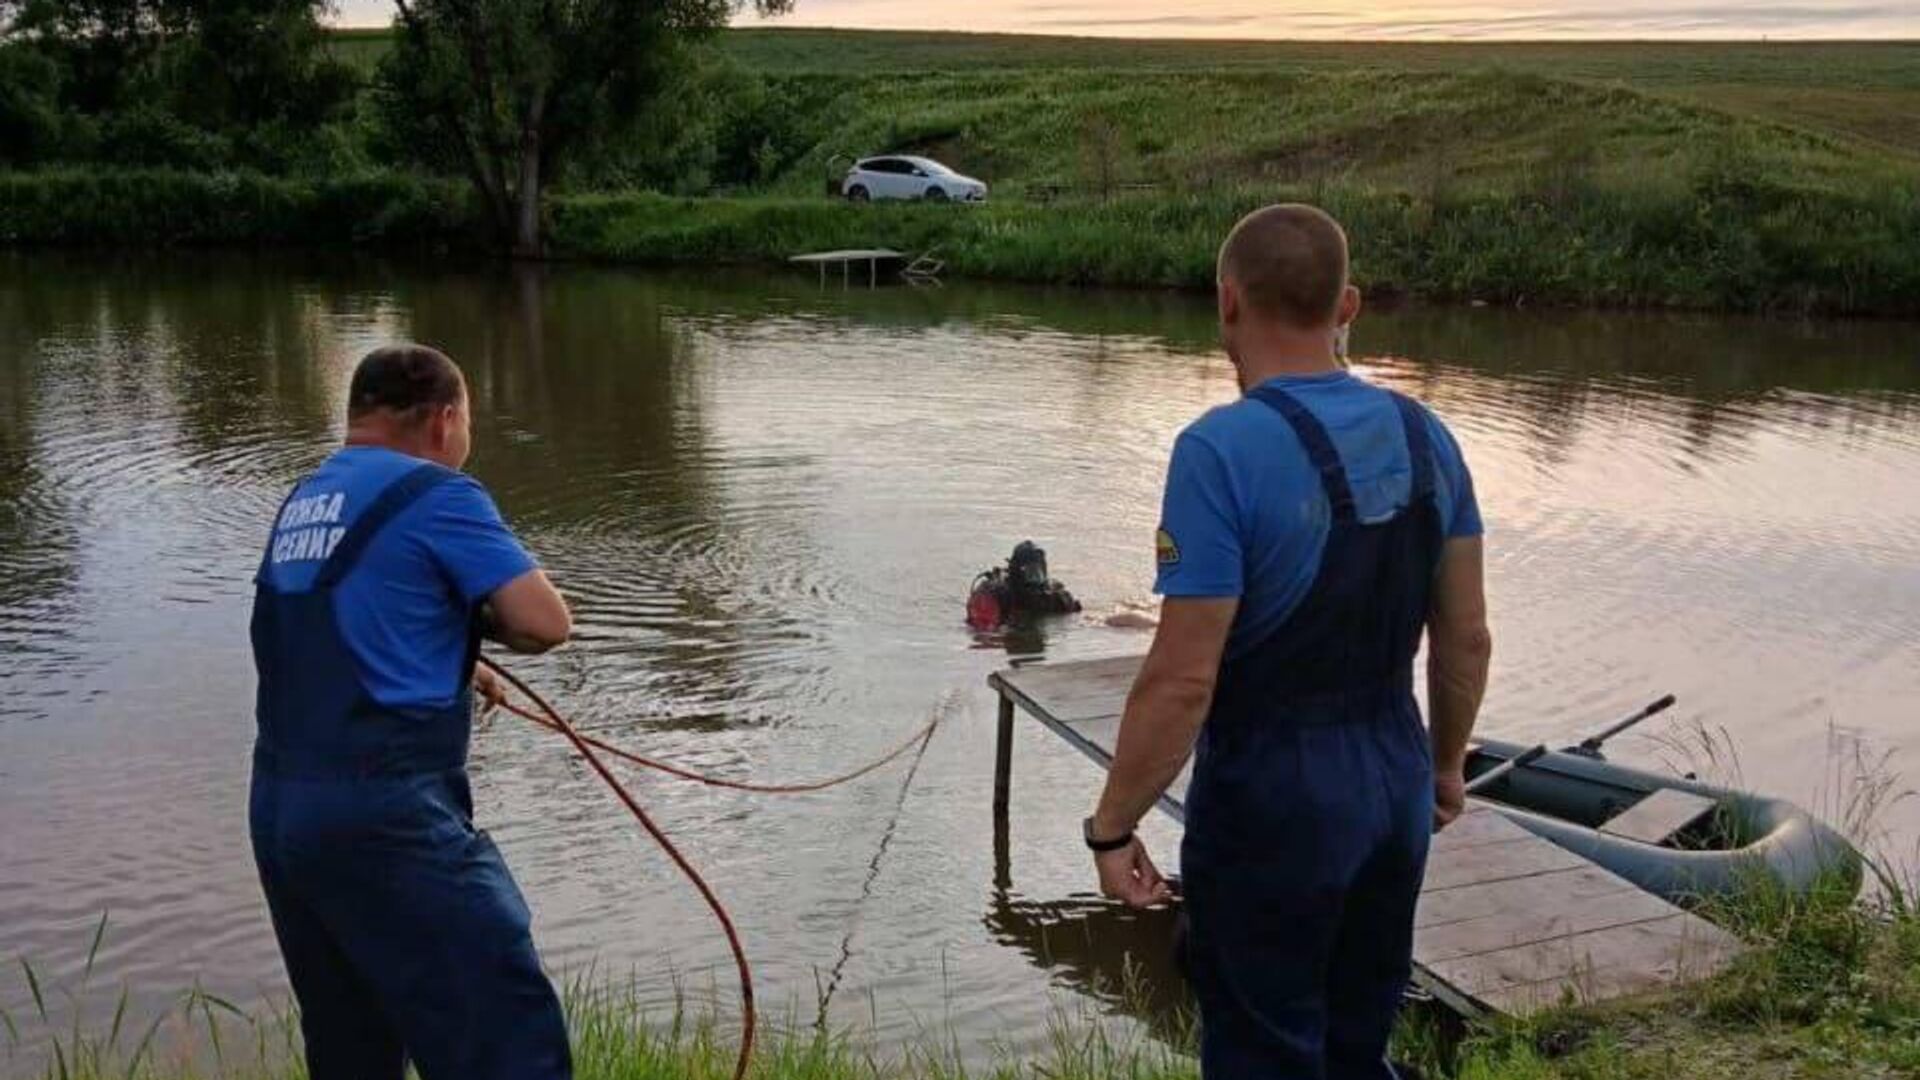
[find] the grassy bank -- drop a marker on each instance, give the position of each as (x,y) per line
(1738,177)
(1830,989)
(1721,243)
(158,207)
(1710,239)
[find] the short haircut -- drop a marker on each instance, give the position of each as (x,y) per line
(1289,262)
(405,379)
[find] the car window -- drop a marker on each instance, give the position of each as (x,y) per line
(888,165)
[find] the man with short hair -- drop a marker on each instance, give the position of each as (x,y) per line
(404,935)
(1312,531)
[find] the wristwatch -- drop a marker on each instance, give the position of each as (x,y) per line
(1099,846)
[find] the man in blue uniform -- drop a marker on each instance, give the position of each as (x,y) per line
(403,933)
(1312,531)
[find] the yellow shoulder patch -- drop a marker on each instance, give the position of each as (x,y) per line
(1165,550)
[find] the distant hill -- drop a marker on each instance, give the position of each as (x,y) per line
(1042,115)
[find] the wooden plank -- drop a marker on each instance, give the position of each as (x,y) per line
(1438,907)
(1478,826)
(1656,818)
(1071,712)
(1096,743)
(1597,984)
(1664,949)
(1513,925)
(1507,919)
(853,255)
(1102,732)
(1053,679)
(1080,690)
(1500,862)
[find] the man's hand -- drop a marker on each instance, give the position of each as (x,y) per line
(1449,797)
(1129,875)
(490,688)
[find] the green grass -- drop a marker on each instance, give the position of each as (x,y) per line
(1830,990)
(1749,177)
(1864,90)
(1867,92)
(1704,241)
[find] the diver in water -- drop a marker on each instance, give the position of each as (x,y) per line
(1018,591)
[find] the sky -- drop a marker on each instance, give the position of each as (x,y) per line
(1429,19)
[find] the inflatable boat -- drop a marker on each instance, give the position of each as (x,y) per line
(1678,838)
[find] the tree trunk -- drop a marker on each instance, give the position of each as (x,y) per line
(527,241)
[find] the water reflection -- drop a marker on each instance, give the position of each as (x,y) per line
(767,502)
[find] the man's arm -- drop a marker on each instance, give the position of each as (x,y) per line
(1164,712)
(1459,651)
(487,564)
(528,615)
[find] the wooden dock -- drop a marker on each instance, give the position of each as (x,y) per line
(1508,922)
(845,260)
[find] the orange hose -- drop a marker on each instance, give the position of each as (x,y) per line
(587,745)
(586,749)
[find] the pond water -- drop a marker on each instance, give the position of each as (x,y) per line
(766,501)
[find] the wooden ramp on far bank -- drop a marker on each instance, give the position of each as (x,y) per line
(1508,922)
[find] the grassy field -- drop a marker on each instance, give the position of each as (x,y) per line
(1734,177)
(1756,177)
(1868,92)
(1864,91)
(1830,991)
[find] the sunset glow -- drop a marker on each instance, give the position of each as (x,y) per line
(1418,19)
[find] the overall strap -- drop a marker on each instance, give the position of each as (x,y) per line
(1419,446)
(1321,452)
(397,497)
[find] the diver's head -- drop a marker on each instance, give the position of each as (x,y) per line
(1027,567)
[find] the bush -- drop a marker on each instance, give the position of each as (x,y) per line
(29,105)
(165,207)
(146,135)
(1652,244)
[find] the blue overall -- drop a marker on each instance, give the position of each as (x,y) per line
(1311,804)
(403,933)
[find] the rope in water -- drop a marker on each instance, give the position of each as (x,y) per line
(918,737)
(587,746)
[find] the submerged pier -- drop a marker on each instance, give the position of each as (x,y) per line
(1508,922)
(846,260)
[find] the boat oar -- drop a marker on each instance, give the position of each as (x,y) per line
(1590,747)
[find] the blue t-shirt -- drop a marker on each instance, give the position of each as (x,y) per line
(1245,514)
(404,609)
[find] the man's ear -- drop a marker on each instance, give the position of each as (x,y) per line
(1229,303)
(1349,306)
(445,417)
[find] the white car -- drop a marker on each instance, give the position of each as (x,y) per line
(903,177)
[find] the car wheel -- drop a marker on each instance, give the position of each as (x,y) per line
(858,193)
(935,194)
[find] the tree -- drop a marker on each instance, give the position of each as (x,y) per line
(29,105)
(503,89)
(246,64)
(179,81)
(99,44)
